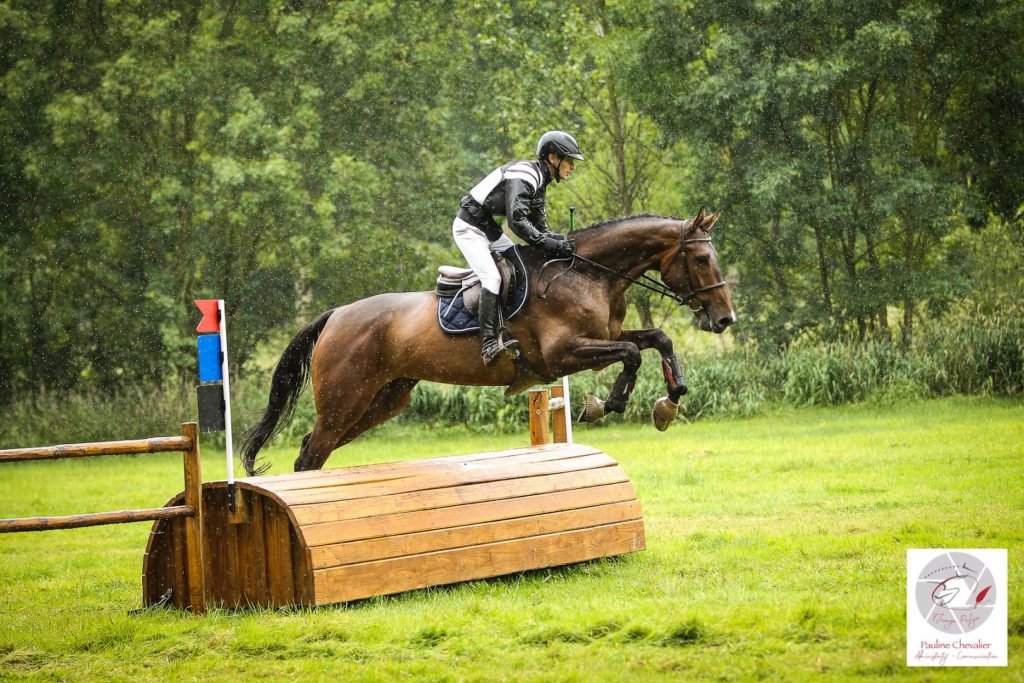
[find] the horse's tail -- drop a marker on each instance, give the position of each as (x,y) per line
(289,380)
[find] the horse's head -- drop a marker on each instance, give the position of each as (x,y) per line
(692,272)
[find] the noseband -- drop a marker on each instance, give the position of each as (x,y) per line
(645,280)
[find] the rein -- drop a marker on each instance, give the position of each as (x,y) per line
(645,280)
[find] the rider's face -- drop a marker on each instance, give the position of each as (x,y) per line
(564,167)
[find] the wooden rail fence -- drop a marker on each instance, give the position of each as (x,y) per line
(191,509)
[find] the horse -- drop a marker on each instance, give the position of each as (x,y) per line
(365,357)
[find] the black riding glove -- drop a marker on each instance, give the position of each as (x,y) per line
(561,248)
(555,235)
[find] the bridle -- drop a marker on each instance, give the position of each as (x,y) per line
(645,280)
(691,291)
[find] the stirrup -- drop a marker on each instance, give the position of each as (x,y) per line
(492,348)
(509,344)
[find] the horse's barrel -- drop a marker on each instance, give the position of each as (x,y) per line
(314,538)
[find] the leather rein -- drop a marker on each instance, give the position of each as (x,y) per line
(645,280)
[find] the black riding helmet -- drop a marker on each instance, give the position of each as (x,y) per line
(562,144)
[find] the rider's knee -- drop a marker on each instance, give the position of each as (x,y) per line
(491,282)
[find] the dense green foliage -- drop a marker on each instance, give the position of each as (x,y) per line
(290,156)
(846,142)
(776,550)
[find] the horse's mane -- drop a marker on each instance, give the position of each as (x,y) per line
(609,223)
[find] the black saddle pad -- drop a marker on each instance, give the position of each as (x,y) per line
(454,318)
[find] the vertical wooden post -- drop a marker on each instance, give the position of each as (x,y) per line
(539,433)
(558,431)
(194,524)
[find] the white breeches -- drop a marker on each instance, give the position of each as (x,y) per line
(477,249)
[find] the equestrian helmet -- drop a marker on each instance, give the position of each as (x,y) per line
(560,143)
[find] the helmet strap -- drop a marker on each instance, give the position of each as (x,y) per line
(557,174)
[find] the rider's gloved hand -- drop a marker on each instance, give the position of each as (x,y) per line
(562,248)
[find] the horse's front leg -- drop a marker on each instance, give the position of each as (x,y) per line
(654,338)
(666,408)
(591,354)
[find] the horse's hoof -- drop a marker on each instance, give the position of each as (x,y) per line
(593,410)
(664,412)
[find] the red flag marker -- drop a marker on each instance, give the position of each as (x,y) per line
(210,324)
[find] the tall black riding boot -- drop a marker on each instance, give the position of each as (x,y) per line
(492,342)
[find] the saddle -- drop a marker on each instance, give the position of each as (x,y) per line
(458,292)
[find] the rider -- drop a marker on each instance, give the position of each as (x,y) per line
(517,191)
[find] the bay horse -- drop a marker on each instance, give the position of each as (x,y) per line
(365,357)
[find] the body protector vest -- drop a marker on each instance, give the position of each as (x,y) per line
(517,191)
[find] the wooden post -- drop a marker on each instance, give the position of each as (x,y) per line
(539,432)
(558,409)
(194,523)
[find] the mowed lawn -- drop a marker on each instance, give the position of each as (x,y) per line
(776,550)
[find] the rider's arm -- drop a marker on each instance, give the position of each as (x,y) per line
(539,211)
(518,196)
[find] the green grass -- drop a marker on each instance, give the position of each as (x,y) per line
(776,550)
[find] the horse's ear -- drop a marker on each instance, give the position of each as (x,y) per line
(709,222)
(697,221)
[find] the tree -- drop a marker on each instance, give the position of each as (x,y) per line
(824,127)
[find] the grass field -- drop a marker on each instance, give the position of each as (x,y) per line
(776,550)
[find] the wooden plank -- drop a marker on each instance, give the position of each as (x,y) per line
(150,572)
(463,476)
(176,565)
(245,550)
(160,444)
(471,513)
(454,495)
(396,470)
(215,545)
(302,569)
(155,558)
(473,534)
(92,519)
(351,582)
(280,575)
(257,589)
(232,581)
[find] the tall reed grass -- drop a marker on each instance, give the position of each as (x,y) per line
(976,355)
(973,354)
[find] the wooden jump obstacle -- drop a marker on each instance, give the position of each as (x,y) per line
(323,537)
(187,512)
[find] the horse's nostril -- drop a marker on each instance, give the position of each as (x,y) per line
(726,321)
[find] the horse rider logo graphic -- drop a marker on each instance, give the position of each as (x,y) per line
(956,593)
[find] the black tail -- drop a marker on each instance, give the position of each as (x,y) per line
(289,380)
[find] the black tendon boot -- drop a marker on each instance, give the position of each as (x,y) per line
(492,344)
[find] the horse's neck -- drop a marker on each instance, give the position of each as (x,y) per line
(632,248)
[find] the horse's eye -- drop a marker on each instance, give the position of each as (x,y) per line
(702,260)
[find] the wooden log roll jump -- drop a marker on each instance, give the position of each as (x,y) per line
(323,537)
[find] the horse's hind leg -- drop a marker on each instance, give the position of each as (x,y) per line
(337,409)
(331,430)
(318,444)
(388,403)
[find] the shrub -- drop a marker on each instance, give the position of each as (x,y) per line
(970,353)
